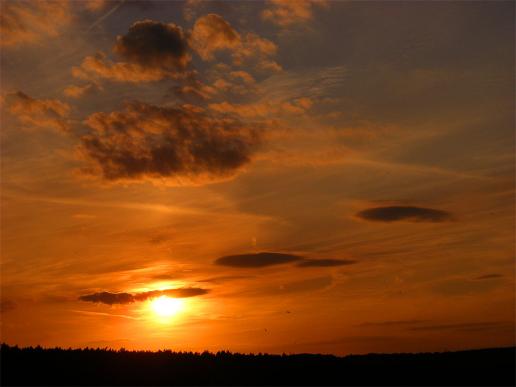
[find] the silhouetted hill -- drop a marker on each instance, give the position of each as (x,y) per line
(38,366)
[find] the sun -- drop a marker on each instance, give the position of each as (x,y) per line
(166,307)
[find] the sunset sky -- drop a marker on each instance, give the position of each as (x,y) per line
(266,176)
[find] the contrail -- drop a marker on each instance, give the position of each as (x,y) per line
(101,19)
(104,314)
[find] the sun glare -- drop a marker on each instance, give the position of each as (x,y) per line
(166,307)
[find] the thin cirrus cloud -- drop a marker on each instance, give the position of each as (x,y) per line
(261,110)
(265,259)
(467,326)
(181,143)
(127,298)
(325,262)
(404,213)
(29,22)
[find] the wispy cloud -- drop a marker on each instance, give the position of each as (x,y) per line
(325,262)
(29,22)
(106,15)
(488,276)
(407,213)
(393,323)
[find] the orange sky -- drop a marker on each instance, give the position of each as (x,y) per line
(332,177)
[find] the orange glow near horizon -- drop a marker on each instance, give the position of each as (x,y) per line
(264,176)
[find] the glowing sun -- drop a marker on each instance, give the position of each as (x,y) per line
(166,307)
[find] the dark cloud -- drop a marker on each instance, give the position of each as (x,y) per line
(325,262)
(488,276)
(182,143)
(177,293)
(108,298)
(150,51)
(186,292)
(153,44)
(127,298)
(409,213)
(256,260)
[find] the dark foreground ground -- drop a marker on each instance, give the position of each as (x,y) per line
(37,366)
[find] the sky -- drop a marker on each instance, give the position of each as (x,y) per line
(267,176)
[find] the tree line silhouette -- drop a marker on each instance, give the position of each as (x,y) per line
(88,366)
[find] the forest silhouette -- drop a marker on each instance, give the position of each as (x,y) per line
(39,366)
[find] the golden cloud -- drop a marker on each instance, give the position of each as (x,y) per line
(286,12)
(39,113)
